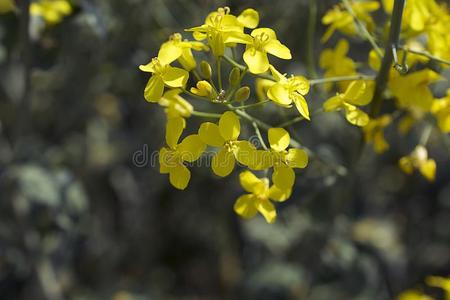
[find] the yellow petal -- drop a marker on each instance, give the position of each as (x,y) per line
(260,160)
(277,75)
(301,83)
(179,176)
(278,194)
(236,37)
(210,134)
(277,49)
(154,89)
(256,60)
(297,158)
(279,94)
(147,68)
(245,206)
(203,88)
(333,104)
(342,47)
(279,139)
(223,163)
(164,161)
(249,18)
(229,126)
(174,128)
(301,105)
(169,53)
(354,90)
(428,169)
(356,116)
(252,184)
(268,211)
(265,31)
(175,77)
(406,165)
(187,60)
(191,148)
(244,152)
(283,177)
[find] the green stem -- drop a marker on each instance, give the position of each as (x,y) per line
(205,114)
(426,135)
(219,73)
(251,105)
(426,54)
(386,63)
(341,78)
(312,20)
(258,134)
(298,119)
(362,28)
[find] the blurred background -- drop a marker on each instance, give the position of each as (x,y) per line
(85,215)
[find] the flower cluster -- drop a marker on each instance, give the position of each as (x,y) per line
(50,11)
(175,72)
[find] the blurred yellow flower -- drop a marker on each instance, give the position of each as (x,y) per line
(177,48)
(172,158)
(418,159)
(413,295)
(258,199)
(358,93)
(6,6)
(440,282)
(52,11)
(176,106)
(374,133)
(441,110)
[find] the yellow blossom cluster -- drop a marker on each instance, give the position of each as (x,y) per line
(51,11)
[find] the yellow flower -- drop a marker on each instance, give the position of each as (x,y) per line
(440,282)
(418,159)
(224,136)
(358,93)
(373,133)
(176,106)
(203,89)
(284,160)
(6,6)
(52,11)
(340,19)
(262,86)
(258,199)
(177,48)
(172,158)
(413,295)
(163,74)
(412,90)
(288,90)
(336,63)
(264,41)
(223,29)
(249,18)
(441,110)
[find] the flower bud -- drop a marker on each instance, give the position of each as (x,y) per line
(235,76)
(242,94)
(206,70)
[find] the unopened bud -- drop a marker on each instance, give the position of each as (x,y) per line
(235,76)
(242,94)
(206,70)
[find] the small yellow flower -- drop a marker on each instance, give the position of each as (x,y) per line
(264,41)
(358,93)
(340,19)
(441,110)
(440,282)
(52,11)
(223,29)
(203,89)
(412,90)
(336,63)
(224,136)
(162,74)
(418,159)
(262,86)
(177,48)
(374,133)
(289,90)
(172,158)
(284,160)
(176,106)
(258,199)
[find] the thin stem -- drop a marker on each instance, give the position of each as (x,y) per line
(205,114)
(312,20)
(426,135)
(258,134)
(298,119)
(196,75)
(386,63)
(426,54)
(251,105)
(242,67)
(219,73)
(362,28)
(341,78)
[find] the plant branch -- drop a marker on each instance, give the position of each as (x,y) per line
(341,78)
(250,105)
(386,63)
(205,114)
(426,54)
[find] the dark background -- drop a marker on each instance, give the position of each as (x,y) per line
(80,220)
